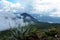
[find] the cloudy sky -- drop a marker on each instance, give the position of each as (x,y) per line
(42,7)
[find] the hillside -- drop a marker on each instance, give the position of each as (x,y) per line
(38,31)
(33,31)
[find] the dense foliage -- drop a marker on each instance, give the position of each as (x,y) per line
(43,31)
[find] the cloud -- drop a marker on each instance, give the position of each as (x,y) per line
(9,6)
(46,7)
(42,7)
(7,9)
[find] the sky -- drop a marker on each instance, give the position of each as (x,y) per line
(42,7)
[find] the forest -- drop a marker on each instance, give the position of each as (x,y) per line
(37,31)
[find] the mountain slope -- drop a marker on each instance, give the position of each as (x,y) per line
(43,18)
(31,17)
(22,19)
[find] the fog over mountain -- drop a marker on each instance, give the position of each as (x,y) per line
(42,10)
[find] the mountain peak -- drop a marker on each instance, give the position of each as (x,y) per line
(25,15)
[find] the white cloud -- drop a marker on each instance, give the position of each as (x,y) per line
(33,6)
(6,10)
(8,6)
(42,7)
(46,7)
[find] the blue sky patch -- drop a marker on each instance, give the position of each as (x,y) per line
(13,1)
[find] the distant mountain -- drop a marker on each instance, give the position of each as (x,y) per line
(29,17)
(41,18)
(11,20)
(46,18)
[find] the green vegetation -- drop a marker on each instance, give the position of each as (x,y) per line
(38,31)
